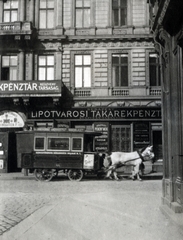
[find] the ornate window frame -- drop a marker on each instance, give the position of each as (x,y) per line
(152,90)
(129,15)
(36,59)
(119,51)
(72,82)
(92,15)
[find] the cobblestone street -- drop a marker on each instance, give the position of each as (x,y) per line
(112,200)
(19,199)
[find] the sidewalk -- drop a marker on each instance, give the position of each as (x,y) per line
(128,211)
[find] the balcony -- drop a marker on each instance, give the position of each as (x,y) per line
(16,29)
(30,88)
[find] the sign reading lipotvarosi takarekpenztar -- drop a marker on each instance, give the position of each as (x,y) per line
(97,113)
(30,87)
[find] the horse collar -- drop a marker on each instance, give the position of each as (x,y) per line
(140,155)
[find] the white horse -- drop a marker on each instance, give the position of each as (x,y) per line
(119,159)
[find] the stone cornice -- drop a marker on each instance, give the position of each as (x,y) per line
(160,14)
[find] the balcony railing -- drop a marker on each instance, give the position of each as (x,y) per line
(82,93)
(155,91)
(120,92)
(15,28)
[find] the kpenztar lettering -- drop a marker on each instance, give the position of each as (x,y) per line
(18,87)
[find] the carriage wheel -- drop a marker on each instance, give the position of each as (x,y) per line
(43,174)
(75,175)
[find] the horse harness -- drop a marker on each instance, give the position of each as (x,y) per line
(140,155)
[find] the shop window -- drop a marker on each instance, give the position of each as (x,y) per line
(39,143)
(58,144)
(120,70)
(10,11)
(119,12)
(82,13)
(82,71)
(46,67)
(154,70)
(46,14)
(121,138)
(77,144)
(9,68)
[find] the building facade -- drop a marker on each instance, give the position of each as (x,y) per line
(82,64)
(168,34)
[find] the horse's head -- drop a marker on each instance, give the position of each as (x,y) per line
(148,153)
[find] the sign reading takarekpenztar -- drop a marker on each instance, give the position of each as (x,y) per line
(98,113)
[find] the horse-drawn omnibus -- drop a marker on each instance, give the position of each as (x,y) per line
(50,150)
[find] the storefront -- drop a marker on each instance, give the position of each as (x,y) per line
(124,129)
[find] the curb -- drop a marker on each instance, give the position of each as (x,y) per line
(12,176)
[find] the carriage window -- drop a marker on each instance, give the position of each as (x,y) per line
(77,144)
(58,143)
(39,143)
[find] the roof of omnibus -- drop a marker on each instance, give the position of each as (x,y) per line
(59,130)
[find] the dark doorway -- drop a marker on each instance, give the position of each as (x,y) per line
(8,152)
(12,156)
(157,144)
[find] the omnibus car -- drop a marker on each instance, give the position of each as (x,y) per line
(48,151)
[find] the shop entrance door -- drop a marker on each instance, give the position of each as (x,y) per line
(3,152)
(8,156)
(121,138)
(157,144)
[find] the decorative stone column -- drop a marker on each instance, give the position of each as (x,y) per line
(29,66)
(32,11)
(22,10)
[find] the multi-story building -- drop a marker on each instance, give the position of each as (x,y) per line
(79,63)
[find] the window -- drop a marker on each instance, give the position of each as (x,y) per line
(119,12)
(46,14)
(77,144)
(9,68)
(58,143)
(10,11)
(154,70)
(39,143)
(46,68)
(82,13)
(120,70)
(82,71)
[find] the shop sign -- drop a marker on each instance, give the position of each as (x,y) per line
(112,113)
(88,161)
(30,87)
(101,142)
(10,119)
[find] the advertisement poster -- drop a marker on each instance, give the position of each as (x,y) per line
(102,142)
